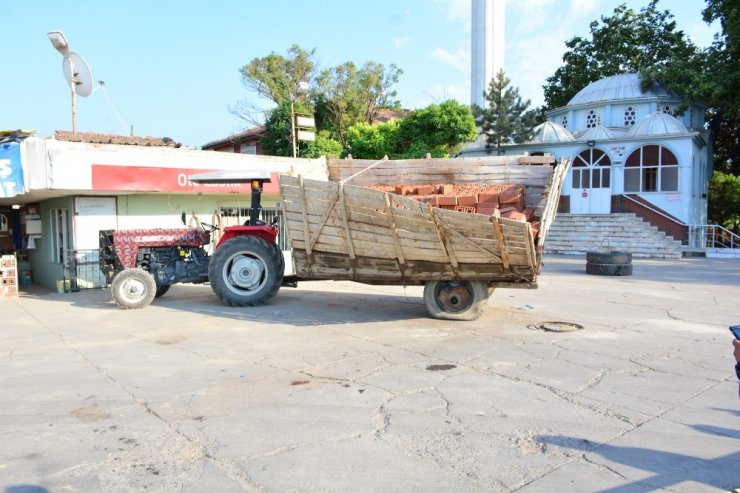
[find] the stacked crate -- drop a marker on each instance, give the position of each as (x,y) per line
(8,277)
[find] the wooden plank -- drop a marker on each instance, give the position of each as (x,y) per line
(322,222)
(337,266)
(304,209)
(502,243)
(394,230)
(443,240)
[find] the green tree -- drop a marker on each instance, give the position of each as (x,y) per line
(626,41)
(278,129)
(367,141)
(278,143)
(324,145)
(275,78)
(724,206)
(345,95)
(438,130)
(506,117)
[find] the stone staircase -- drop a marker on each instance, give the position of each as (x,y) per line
(581,233)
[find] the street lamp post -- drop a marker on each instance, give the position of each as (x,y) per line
(60,43)
(302,88)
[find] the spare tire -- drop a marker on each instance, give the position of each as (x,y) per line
(609,257)
(609,269)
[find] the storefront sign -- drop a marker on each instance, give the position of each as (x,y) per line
(155,179)
(11,171)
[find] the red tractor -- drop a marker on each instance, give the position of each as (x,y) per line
(246,268)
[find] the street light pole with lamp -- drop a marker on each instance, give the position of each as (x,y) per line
(60,43)
(302,88)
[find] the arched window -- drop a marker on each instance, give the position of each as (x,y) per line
(592,119)
(591,169)
(665,109)
(651,168)
(3,223)
(629,116)
(564,121)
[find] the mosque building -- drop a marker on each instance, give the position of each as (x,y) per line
(630,149)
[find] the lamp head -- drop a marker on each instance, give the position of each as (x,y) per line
(59,41)
(301,88)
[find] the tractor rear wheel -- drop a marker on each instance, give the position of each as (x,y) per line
(133,289)
(246,271)
(456,300)
(161,290)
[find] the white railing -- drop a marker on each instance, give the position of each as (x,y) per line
(656,211)
(712,236)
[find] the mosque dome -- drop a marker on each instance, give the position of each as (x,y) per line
(657,124)
(597,133)
(550,133)
(621,86)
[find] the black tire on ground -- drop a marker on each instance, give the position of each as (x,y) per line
(161,290)
(609,257)
(133,289)
(456,300)
(609,269)
(246,271)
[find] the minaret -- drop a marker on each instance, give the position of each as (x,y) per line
(487,53)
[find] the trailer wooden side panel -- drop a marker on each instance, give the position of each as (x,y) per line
(343,231)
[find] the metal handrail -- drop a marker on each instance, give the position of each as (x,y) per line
(673,219)
(712,236)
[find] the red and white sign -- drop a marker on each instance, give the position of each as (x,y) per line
(155,179)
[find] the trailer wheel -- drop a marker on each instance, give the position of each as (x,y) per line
(133,288)
(246,271)
(456,300)
(161,290)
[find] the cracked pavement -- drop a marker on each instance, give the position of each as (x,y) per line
(337,386)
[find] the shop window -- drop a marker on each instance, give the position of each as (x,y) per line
(651,168)
(59,235)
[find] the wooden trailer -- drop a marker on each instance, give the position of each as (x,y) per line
(350,229)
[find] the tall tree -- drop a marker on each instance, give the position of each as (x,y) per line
(278,143)
(275,78)
(506,118)
(626,41)
(346,95)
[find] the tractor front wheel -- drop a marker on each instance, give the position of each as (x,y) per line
(456,300)
(133,289)
(246,271)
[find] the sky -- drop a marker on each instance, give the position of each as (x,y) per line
(171,67)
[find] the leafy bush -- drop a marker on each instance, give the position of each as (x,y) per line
(724,200)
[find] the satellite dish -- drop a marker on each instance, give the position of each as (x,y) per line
(84,82)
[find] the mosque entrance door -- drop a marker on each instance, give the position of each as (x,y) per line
(591,190)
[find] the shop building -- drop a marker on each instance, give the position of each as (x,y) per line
(58,195)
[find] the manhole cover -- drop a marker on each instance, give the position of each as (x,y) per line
(557,326)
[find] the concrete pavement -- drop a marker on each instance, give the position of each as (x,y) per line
(337,386)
